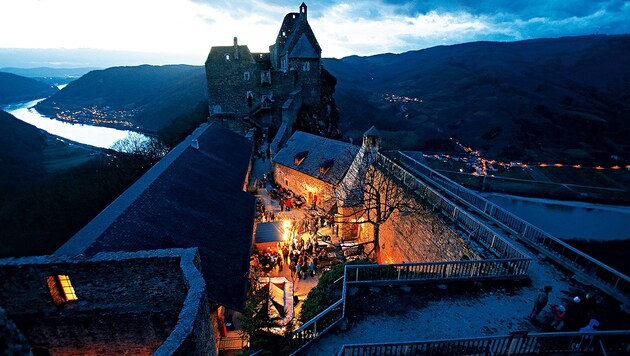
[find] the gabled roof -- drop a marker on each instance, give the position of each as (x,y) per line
(303,49)
(300,31)
(321,152)
(190,198)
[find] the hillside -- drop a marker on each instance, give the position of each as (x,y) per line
(564,99)
(48,75)
(28,154)
(150,96)
(21,151)
(15,88)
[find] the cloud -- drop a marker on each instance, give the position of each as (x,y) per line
(377,26)
(343,27)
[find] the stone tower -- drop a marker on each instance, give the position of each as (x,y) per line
(371,140)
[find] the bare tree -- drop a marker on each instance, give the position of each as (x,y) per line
(370,195)
(141,146)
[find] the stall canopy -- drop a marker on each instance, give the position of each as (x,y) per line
(281,299)
(268,234)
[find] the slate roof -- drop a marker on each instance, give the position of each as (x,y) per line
(300,31)
(321,152)
(191,198)
(303,49)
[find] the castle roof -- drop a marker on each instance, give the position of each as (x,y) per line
(190,198)
(372,132)
(323,158)
(301,41)
(217,54)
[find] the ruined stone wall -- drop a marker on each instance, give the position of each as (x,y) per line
(290,110)
(309,79)
(195,332)
(128,303)
(228,86)
(302,184)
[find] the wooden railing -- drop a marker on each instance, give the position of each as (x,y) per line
(574,343)
(604,277)
(232,343)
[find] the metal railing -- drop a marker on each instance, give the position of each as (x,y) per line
(604,277)
(512,264)
(407,273)
(321,323)
(436,271)
(575,343)
(476,230)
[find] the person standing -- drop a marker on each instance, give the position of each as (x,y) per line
(541,301)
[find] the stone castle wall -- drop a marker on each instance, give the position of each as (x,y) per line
(419,235)
(127,302)
(411,235)
(302,184)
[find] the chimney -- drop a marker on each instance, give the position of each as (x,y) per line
(235,48)
(194,144)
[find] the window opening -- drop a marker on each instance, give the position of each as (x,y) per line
(61,289)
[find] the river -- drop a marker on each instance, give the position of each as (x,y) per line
(98,136)
(569,220)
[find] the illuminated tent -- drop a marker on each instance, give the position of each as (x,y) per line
(281,298)
(268,234)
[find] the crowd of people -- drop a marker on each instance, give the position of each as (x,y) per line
(572,315)
(303,248)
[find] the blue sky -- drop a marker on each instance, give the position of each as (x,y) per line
(186,29)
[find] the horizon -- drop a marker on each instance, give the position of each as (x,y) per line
(129,58)
(183,31)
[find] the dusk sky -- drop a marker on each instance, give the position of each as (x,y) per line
(186,29)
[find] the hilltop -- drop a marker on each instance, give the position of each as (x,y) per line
(565,99)
(15,88)
(150,96)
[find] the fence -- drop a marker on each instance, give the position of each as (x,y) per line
(513,263)
(476,230)
(436,271)
(598,343)
(407,273)
(604,277)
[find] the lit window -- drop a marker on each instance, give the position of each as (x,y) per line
(300,157)
(61,289)
(67,288)
(227,56)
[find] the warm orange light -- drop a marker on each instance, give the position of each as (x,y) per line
(577,166)
(615,167)
(558,165)
(286,229)
(599,168)
(67,288)
(543,165)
